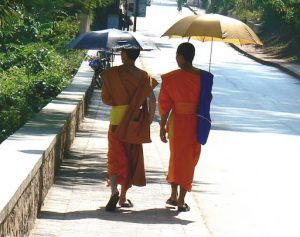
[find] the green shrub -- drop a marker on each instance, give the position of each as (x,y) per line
(22,95)
(15,109)
(63,32)
(33,73)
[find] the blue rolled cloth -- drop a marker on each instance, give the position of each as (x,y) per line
(203,110)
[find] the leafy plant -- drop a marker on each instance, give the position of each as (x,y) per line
(33,73)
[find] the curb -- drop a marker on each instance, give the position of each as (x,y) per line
(268,63)
(189,7)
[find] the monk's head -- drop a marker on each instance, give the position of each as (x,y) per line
(185,53)
(129,55)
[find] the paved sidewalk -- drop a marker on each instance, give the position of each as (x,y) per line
(75,204)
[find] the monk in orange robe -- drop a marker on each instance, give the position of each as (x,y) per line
(129,90)
(178,101)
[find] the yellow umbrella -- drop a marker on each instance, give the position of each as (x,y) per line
(213,27)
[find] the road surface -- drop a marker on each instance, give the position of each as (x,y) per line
(246,183)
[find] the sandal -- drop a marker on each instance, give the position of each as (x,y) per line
(127,204)
(112,203)
(171,202)
(184,208)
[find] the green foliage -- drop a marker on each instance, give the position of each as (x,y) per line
(248,11)
(34,67)
(27,30)
(284,13)
(7,11)
(34,57)
(274,14)
(221,6)
(89,5)
(30,83)
(55,9)
(21,96)
(14,108)
(62,32)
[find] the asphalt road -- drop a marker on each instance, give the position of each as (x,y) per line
(246,183)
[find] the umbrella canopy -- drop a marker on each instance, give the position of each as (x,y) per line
(111,39)
(213,27)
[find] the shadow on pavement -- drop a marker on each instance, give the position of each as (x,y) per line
(148,216)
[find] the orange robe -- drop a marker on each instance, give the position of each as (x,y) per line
(179,94)
(125,151)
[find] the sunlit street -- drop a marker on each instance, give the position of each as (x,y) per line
(246,180)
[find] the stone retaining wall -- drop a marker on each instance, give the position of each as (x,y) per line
(29,158)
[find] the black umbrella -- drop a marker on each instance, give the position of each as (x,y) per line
(111,39)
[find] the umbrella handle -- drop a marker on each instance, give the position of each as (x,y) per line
(211,45)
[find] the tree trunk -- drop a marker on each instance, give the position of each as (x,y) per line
(84,23)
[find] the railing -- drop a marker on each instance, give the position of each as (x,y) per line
(30,157)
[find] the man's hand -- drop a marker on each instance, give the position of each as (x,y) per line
(162,135)
(162,132)
(152,107)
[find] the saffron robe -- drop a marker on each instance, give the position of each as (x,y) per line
(125,152)
(180,91)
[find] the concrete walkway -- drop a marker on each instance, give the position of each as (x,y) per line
(75,204)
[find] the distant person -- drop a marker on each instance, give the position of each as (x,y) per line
(127,23)
(184,103)
(129,90)
(121,20)
(179,5)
